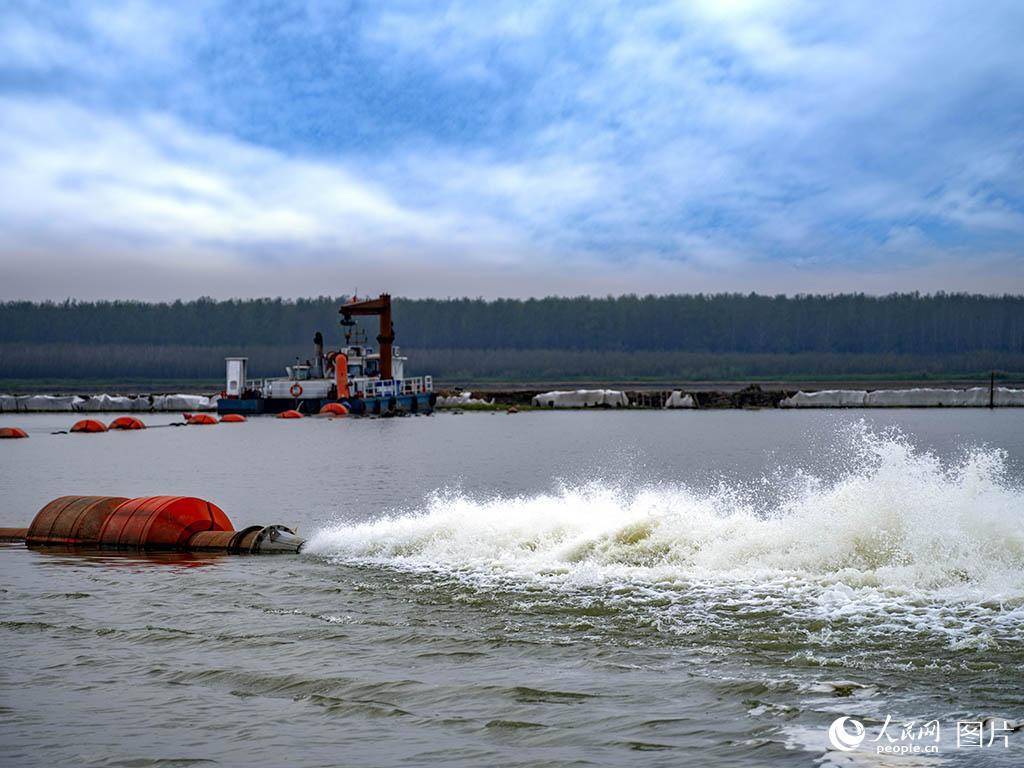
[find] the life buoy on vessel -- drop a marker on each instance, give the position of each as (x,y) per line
(295,389)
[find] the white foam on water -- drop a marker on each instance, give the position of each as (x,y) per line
(895,524)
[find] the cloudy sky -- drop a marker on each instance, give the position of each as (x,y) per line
(488,149)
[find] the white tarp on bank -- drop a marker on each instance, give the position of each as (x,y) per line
(184,403)
(460,400)
(110,403)
(976,397)
(1009,397)
(827,398)
(582,398)
(104,403)
(678,400)
(923,398)
(38,403)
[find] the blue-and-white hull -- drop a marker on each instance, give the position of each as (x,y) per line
(422,402)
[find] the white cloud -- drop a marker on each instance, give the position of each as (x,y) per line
(103,39)
(670,145)
(77,175)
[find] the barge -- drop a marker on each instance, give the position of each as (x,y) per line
(364,381)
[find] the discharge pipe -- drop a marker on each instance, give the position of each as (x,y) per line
(149,523)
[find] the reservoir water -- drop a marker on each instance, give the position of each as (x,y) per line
(581,588)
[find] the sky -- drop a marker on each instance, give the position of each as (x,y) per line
(164,150)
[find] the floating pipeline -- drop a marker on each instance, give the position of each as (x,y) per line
(149,523)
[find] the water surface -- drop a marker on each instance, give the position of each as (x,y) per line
(540,589)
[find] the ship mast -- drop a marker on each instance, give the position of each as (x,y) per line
(380,307)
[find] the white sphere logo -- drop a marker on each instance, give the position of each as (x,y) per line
(842,739)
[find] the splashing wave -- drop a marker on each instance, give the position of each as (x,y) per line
(896,517)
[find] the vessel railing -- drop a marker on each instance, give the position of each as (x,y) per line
(391,387)
(367,388)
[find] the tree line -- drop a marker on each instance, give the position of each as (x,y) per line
(140,362)
(682,337)
(935,324)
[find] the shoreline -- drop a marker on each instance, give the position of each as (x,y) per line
(697,396)
(146,387)
(752,396)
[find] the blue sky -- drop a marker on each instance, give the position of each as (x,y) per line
(509,149)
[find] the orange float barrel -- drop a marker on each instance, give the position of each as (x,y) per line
(127,422)
(89,425)
(160,522)
(200,418)
(148,523)
(289,415)
(72,520)
(232,418)
(334,409)
(12,433)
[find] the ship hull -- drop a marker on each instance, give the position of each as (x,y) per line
(422,402)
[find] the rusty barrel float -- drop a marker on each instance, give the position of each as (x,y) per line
(148,523)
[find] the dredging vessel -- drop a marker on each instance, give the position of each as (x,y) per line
(357,377)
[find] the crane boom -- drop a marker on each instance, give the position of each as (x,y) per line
(380,307)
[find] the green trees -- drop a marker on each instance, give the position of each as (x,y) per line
(676,336)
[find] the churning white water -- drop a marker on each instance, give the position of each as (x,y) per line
(892,529)
(616,587)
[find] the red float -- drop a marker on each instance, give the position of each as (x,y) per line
(289,415)
(89,425)
(127,422)
(232,418)
(200,418)
(160,522)
(12,433)
(148,523)
(334,409)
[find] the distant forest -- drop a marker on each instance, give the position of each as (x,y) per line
(682,337)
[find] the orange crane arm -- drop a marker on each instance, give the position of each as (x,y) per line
(380,307)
